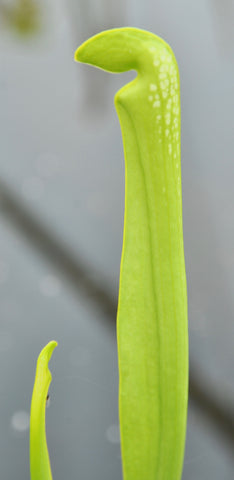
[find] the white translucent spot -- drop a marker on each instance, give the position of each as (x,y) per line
(6,341)
(168,118)
(150,97)
(157,104)
(167,131)
(164,190)
(162,75)
(152,49)
(113,434)
(163,57)
(165,94)
(20,421)
(33,188)
(177,165)
(50,286)
(80,357)
(156,62)
(159,117)
(163,68)
(153,87)
(170,148)
(157,96)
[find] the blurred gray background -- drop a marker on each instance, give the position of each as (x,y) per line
(61,221)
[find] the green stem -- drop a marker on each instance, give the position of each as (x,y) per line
(39,456)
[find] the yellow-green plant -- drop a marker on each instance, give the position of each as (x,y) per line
(152,310)
(39,457)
